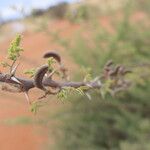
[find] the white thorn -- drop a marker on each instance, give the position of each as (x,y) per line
(88,96)
(96,79)
(46,75)
(27,97)
(68,78)
(16,80)
(13,71)
(88,85)
(99,83)
(50,75)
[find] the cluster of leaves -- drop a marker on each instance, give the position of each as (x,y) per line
(51,61)
(87,72)
(106,88)
(66,91)
(13,51)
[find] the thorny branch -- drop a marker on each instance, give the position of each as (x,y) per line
(112,79)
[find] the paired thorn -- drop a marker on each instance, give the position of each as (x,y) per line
(12,74)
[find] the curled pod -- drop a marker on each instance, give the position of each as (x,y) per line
(55,55)
(116,71)
(39,76)
(108,66)
(121,70)
(109,63)
(126,72)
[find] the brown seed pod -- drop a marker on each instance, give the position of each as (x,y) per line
(39,75)
(58,59)
(115,72)
(108,67)
(54,55)
(109,63)
(121,70)
(126,72)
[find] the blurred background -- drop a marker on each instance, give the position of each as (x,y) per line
(86,33)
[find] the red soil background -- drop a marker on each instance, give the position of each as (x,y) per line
(33,136)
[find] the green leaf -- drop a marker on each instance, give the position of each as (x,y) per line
(5,64)
(80,91)
(88,77)
(87,74)
(103,93)
(30,72)
(35,106)
(63,94)
(50,62)
(106,88)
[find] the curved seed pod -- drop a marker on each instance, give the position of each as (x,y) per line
(121,70)
(57,57)
(108,66)
(39,75)
(107,69)
(54,55)
(126,72)
(109,63)
(115,72)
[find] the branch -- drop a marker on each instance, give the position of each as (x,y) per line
(27,84)
(110,81)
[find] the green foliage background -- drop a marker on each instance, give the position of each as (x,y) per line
(122,122)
